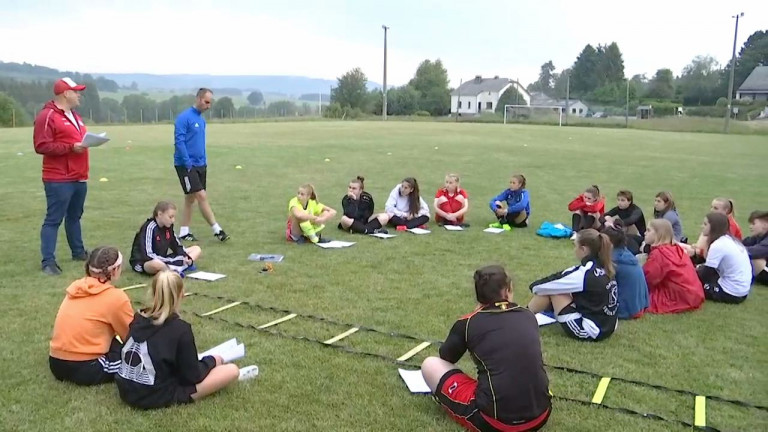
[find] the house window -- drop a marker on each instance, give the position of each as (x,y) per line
(573,110)
(469,104)
(459,104)
(581,110)
(489,105)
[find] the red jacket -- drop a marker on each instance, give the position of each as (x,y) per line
(54,138)
(579,204)
(672,281)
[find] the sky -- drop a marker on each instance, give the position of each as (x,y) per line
(324,39)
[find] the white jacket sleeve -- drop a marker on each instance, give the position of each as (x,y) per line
(424,210)
(390,206)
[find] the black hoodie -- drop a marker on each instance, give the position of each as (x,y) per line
(160,365)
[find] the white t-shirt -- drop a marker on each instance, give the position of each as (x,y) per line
(731,261)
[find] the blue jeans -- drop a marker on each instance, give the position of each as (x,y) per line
(65,200)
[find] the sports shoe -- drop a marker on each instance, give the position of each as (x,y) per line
(221,235)
(192,267)
(52,269)
(248,372)
(495,225)
(573,236)
(313,238)
(464,225)
(506,227)
(188,237)
(380,231)
(81,257)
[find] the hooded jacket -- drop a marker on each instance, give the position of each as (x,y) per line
(398,205)
(673,284)
(578,203)
(54,137)
(517,201)
(90,316)
(158,361)
(633,290)
(757,246)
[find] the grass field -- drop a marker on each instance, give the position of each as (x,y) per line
(412,284)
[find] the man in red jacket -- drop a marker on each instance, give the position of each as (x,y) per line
(58,136)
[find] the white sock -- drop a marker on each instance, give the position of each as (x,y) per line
(183,231)
(216,228)
(248,372)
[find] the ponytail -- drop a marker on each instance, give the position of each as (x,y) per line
(605,255)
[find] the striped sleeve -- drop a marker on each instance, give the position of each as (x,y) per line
(568,281)
(149,244)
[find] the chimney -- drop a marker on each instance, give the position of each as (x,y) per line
(478,78)
(496,77)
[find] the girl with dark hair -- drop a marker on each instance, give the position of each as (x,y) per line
(83,348)
(405,207)
(587,210)
(630,280)
(583,297)
(156,247)
(727,272)
(511,390)
(358,207)
(664,208)
(512,207)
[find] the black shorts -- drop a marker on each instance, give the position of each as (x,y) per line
(456,393)
(580,327)
(89,372)
(762,277)
(192,180)
(713,291)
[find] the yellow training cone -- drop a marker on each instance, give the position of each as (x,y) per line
(103,179)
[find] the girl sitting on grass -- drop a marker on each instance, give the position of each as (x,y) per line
(727,273)
(451,203)
(512,207)
(583,297)
(358,207)
(160,365)
(630,280)
(306,216)
(757,245)
(405,207)
(587,210)
(83,348)
(664,208)
(698,251)
(156,247)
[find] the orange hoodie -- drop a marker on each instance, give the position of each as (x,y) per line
(88,319)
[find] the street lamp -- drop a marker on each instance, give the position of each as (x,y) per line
(733,68)
(384,92)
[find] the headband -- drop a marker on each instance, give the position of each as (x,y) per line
(117,264)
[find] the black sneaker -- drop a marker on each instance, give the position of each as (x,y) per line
(51,269)
(81,257)
(464,225)
(222,236)
(380,231)
(188,237)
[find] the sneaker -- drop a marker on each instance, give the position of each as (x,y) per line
(380,231)
(313,238)
(506,227)
(248,372)
(464,225)
(188,237)
(573,236)
(222,236)
(51,269)
(495,225)
(324,240)
(192,267)
(81,257)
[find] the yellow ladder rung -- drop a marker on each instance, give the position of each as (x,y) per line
(133,287)
(414,351)
(600,391)
(231,305)
(700,412)
(278,321)
(341,336)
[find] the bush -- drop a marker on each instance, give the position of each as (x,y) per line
(706,111)
(422,113)
(722,102)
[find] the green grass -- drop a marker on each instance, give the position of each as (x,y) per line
(412,284)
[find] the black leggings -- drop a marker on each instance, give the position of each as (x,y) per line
(89,372)
(580,222)
(712,289)
(509,219)
(409,224)
(360,226)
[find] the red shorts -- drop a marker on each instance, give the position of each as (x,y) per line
(456,393)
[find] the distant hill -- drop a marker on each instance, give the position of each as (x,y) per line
(289,85)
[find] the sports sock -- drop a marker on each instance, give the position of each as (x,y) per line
(183,231)
(216,228)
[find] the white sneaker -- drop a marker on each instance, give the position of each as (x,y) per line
(248,372)
(573,237)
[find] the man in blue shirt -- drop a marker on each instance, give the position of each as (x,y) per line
(190,162)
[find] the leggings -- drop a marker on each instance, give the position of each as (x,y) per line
(409,224)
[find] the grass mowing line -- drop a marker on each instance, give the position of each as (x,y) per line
(350,350)
(436,342)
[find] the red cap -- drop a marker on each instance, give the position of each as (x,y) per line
(65,84)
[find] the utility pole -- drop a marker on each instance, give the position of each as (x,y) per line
(384,92)
(626,112)
(733,67)
(567,96)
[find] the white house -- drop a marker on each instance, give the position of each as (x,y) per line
(482,95)
(575,107)
(755,87)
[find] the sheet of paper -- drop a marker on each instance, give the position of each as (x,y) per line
(544,319)
(265,257)
(222,346)
(229,351)
(494,230)
(414,380)
(382,235)
(335,244)
(206,276)
(419,231)
(454,228)
(94,140)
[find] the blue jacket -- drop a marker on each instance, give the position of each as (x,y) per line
(633,290)
(517,201)
(189,139)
